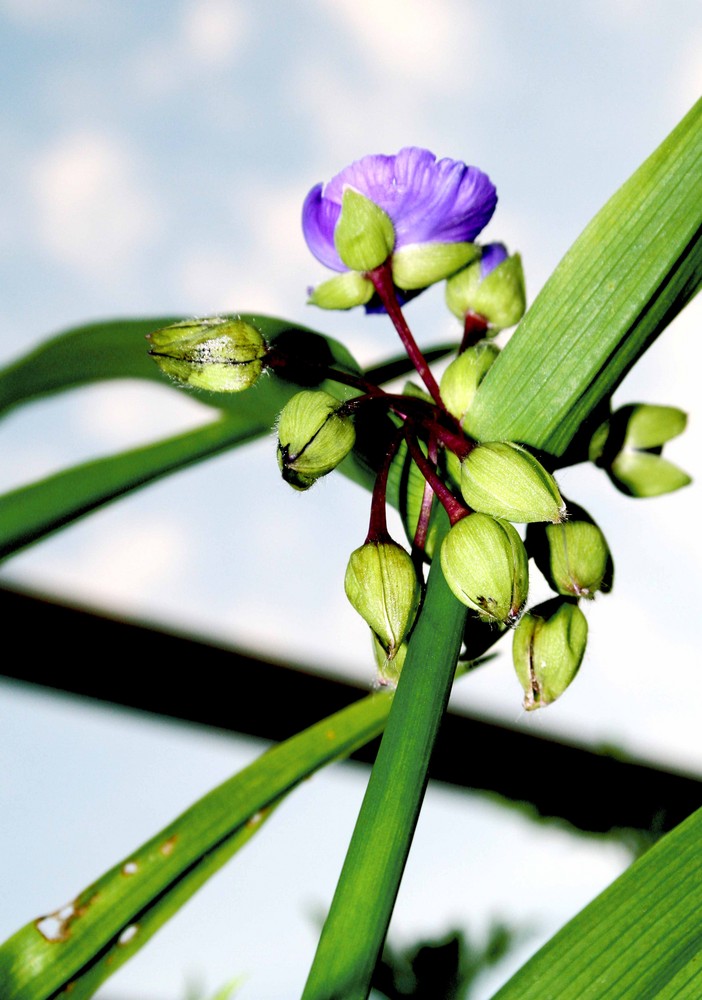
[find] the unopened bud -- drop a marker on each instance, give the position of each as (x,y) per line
(573,556)
(216,353)
(628,447)
(505,480)
(493,287)
(382,586)
(460,381)
(313,437)
(485,565)
(364,235)
(548,648)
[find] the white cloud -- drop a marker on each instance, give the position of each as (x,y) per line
(209,36)
(212,31)
(417,41)
(93,211)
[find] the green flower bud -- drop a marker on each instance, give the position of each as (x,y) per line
(419,265)
(382,586)
(499,295)
(342,292)
(573,556)
(628,447)
(548,648)
(364,235)
(460,381)
(313,437)
(485,565)
(216,353)
(505,480)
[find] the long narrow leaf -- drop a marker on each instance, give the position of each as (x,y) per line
(355,928)
(46,956)
(627,275)
(642,937)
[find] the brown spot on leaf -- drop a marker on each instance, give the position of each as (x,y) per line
(168,846)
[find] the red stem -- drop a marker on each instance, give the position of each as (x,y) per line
(385,288)
(378,525)
(453,507)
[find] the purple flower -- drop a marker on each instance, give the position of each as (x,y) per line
(429,201)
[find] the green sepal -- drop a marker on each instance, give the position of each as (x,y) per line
(364,236)
(313,437)
(503,479)
(460,381)
(500,297)
(485,565)
(573,556)
(381,584)
(642,474)
(547,650)
(419,265)
(342,292)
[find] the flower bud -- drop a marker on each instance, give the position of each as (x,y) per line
(485,565)
(313,437)
(460,381)
(505,480)
(216,353)
(364,236)
(573,556)
(493,287)
(382,586)
(548,648)
(628,447)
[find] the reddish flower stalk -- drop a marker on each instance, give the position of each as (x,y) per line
(475,327)
(378,525)
(453,507)
(383,284)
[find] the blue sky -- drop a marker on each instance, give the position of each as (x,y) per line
(156,159)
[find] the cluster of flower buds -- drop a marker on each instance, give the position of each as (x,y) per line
(390,226)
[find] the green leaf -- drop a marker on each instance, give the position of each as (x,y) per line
(640,938)
(355,928)
(624,279)
(84,942)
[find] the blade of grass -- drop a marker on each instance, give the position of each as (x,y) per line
(624,279)
(640,938)
(43,958)
(355,928)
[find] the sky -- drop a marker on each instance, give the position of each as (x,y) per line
(156,160)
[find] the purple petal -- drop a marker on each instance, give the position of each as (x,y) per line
(428,200)
(319,218)
(492,255)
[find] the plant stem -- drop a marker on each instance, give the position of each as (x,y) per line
(385,288)
(453,507)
